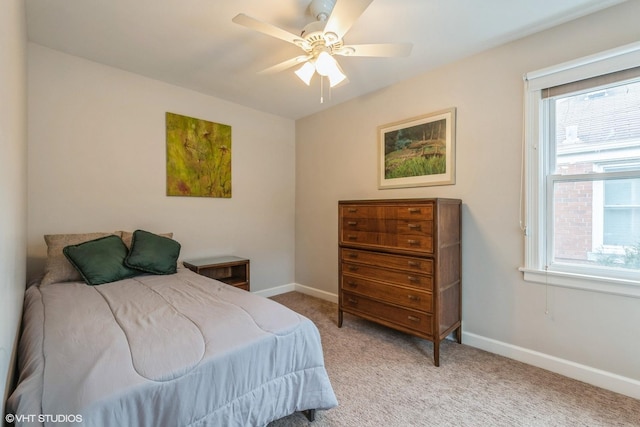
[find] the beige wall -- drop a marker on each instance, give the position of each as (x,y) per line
(97,162)
(13,172)
(336,158)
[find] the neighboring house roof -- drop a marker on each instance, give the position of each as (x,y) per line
(609,116)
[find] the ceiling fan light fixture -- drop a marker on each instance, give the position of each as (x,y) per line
(305,73)
(325,64)
(337,75)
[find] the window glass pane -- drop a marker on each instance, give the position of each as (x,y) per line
(618,192)
(573,222)
(616,225)
(589,229)
(595,126)
(621,212)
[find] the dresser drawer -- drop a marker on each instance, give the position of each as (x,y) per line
(413,242)
(422,212)
(419,265)
(412,212)
(369,224)
(406,297)
(402,226)
(369,238)
(412,319)
(383,274)
(419,227)
(418,243)
(359,211)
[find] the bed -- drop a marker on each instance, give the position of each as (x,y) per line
(173,349)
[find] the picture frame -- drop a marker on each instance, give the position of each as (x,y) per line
(418,152)
(198,157)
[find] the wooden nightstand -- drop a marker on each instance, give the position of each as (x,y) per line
(231,270)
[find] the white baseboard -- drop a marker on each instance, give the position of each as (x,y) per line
(587,374)
(328,296)
(607,380)
(283,289)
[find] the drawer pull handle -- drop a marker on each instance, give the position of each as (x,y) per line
(352,284)
(352,255)
(352,268)
(414,226)
(352,210)
(352,222)
(413,318)
(413,242)
(353,301)
(413,278)
(352,237)
(414,264)
(414,210)
(413,298)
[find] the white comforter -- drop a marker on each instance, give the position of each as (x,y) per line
(179,350)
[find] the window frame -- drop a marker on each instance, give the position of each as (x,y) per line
(536,181)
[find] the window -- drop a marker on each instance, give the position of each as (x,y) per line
(582,173)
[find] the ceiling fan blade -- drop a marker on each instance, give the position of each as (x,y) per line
(286,64)
(379,50)
(268,29)
(344,14)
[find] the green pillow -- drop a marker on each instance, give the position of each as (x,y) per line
(153,253)
(101,260)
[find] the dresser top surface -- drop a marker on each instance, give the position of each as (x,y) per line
(398,201)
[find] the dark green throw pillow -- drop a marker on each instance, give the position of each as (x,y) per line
(101,260)
(153,253)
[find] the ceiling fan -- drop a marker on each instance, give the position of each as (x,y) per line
(322,39)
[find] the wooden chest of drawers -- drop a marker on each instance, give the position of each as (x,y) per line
(399,265)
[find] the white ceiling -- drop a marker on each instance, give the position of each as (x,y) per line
(194,44)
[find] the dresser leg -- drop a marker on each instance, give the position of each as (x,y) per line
(436,352)
(459,335)
(339,318)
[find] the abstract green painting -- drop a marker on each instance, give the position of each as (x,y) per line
(198,157)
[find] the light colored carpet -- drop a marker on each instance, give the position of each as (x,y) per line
(385,378)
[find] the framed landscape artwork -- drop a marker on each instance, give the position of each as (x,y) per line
(198,157)
(418,151)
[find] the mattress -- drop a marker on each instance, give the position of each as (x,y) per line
(175,350)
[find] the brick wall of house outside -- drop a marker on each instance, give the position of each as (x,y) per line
(573,211)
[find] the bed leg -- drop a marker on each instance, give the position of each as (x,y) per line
(310,414)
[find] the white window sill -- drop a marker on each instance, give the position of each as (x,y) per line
(628,288)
